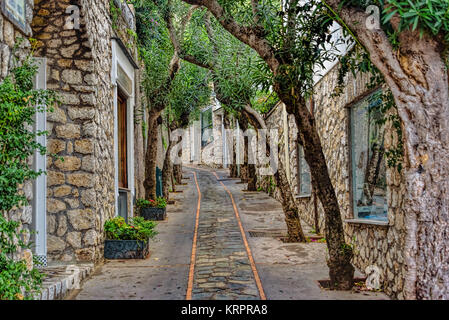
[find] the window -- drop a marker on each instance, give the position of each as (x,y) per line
(304,185)
(367,160)
(122,143)
(206,127)
(15,10)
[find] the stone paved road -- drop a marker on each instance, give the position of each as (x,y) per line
(222,267)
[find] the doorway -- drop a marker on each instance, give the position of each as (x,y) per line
(123,185)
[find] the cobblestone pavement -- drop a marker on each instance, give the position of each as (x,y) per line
(222,266)
(224,259)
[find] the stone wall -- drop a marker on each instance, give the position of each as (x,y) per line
(377,245)
(374,244)
(81,181)
(80,128)
(275,120)
(9,37)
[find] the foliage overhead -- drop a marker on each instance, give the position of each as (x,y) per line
(189,89)
(189,93)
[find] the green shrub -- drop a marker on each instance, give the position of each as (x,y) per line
(137,229)
(158,203)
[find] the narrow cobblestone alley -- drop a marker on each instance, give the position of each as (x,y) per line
(209,254)
(223,266)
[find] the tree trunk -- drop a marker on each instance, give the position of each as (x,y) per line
(151,156)
(248,170)
(177,168)
(173,183)
(167,170)
(341,271)
(292,220)
(252,178)
(243,124)
(418,79)
(233,169)
(424,111)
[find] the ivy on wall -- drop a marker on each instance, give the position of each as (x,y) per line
(19,103)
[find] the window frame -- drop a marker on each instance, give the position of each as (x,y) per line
(210,126)
(354,216)
(21,25)
(299,153)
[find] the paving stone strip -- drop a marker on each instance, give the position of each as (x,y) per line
(222,267)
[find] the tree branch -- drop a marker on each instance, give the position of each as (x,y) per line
(255,7)
(175,63)
(195,61)
(256,115)
(245,34)
(385,59)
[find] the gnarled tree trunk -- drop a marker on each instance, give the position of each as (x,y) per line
(177,168)
(252,177)
(151,156)
(243,124)
(341,271)
(289,206)
(418,79)
(248,169)
(167,170)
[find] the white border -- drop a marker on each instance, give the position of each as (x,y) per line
(120,58)
(40,163)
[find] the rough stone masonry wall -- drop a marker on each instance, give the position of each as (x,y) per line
(275,120)
(81,187)
(377,245)
(381,246)
(9,35)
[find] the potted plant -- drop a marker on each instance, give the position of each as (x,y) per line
(152,209)
(128,241)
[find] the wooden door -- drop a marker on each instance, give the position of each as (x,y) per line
(122,142)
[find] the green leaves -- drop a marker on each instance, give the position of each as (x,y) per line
(137,229)
(158,203)
(189,92)
(430,16)
(189,89)
(18,106)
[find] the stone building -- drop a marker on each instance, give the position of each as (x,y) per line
(204,142)
(86,52)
